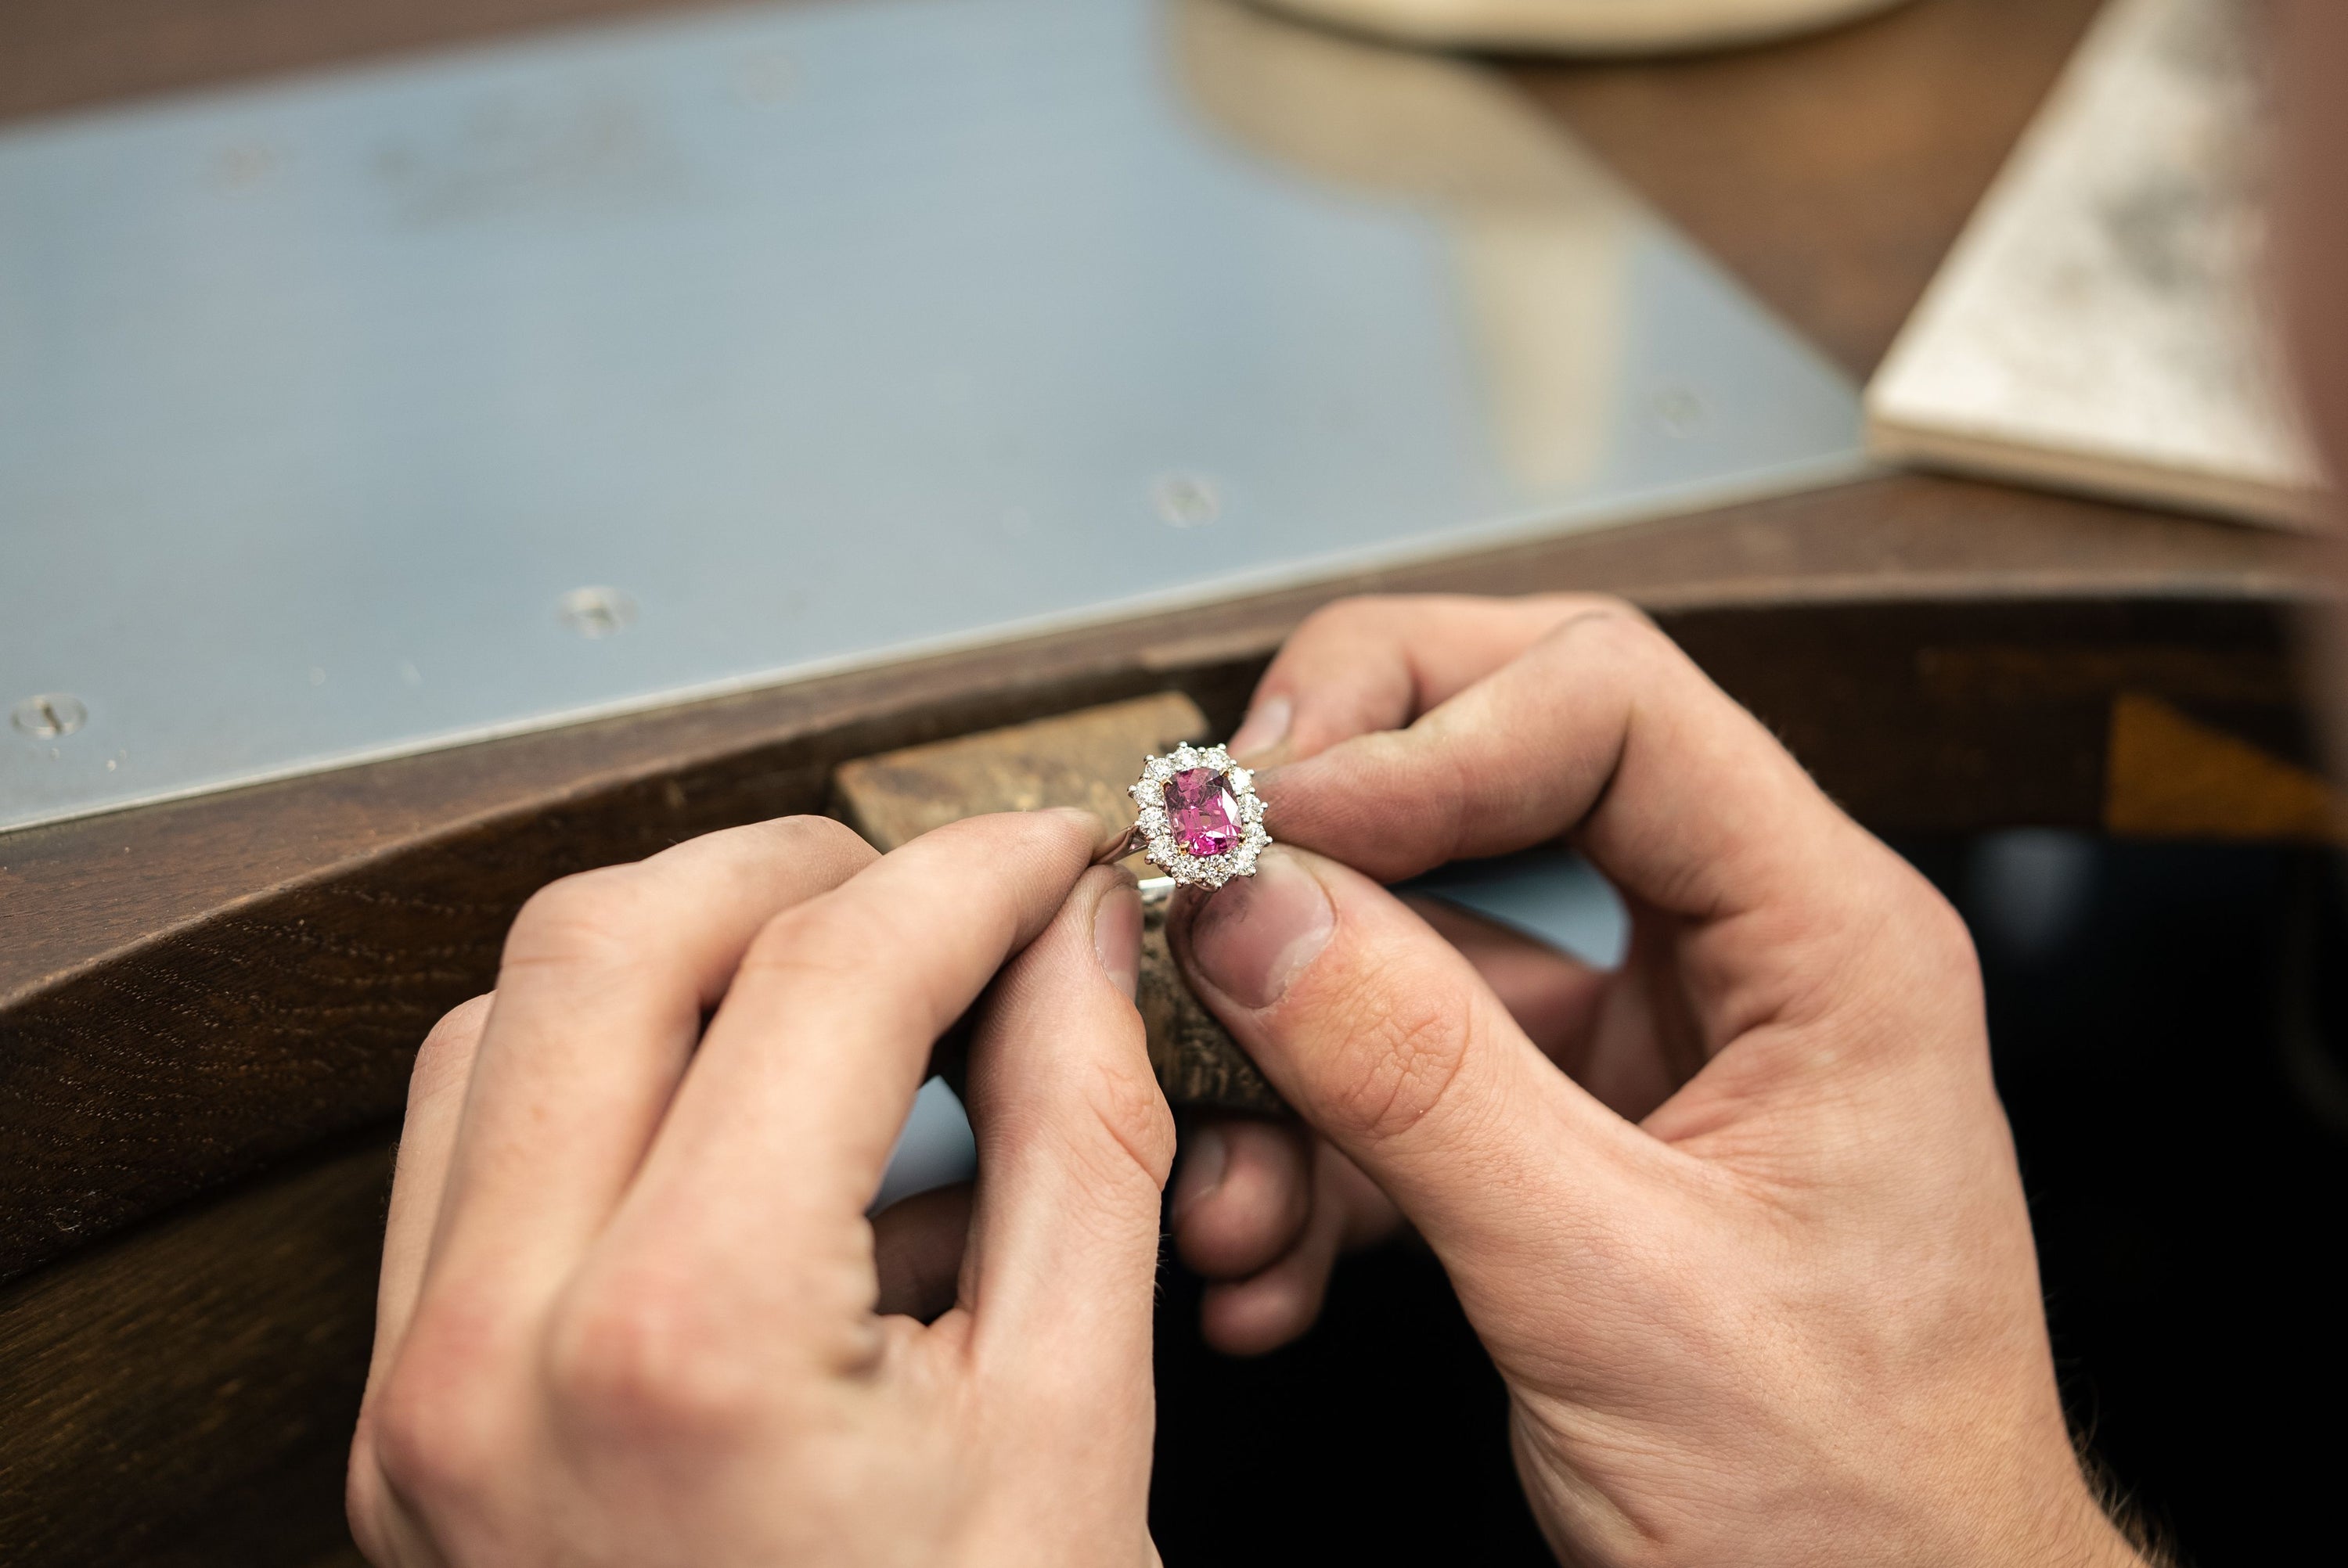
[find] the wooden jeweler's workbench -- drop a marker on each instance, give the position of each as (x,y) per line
(207,1008)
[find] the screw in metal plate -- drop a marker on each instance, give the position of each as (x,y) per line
(49,715)
(596,611)
(1679,411)
(245,165)
(1186,500)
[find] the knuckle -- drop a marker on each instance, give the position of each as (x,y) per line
(637,1355)
(366,1501)
(824,838)
(1365,618)
(1360,610)
(1941,931)
(1897,962)
(1621,631)
(1098,1105)
(589,918)
(431,1434)
(1408,1045)
(833,938)
(1132,1111)
(446,1057)
(1609,606)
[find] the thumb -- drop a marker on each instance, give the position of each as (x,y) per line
(1384,1039)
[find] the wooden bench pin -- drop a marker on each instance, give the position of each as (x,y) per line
(1086,759)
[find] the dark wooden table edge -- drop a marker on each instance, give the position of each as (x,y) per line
(1243,629)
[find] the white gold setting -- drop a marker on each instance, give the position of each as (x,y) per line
(1156,832)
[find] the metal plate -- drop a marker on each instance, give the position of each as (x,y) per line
(388,409)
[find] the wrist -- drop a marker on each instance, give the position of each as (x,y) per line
(2095,1538)
(2045,1516)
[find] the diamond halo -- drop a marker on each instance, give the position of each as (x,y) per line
(1166,846)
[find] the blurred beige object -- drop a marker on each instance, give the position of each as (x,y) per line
(1541,232)
(1582,27)
(2103,325)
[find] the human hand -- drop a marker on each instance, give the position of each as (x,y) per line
(632,1309)
(1262,1209)
(1755,1266)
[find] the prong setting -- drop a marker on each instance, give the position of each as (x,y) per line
(1164,843)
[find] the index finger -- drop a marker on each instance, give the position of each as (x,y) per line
(1379,661)
(1604,730)
(786,1118)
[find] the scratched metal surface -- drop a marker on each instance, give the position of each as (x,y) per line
(366,412)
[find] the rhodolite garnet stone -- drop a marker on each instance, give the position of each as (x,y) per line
(1204,814)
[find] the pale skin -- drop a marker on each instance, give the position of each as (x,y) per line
(632,1311)
(1740,1225)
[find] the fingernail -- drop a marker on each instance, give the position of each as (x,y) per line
(1116,933)
(1265,727)
(1252,939)
(1205,1153)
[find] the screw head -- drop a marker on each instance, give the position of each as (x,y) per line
(1186,500)
(246,165)
(596,611)
(46,716)
(1679,411)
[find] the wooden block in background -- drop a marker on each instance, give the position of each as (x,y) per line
(2168,775)
(1086,759)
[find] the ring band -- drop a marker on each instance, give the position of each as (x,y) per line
(1125,844)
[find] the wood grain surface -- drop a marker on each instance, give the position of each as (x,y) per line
(1086,759)
(204,1051)
(196,999)
(197,989)
(184,1394)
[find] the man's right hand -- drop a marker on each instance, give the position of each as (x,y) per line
(1755,1266)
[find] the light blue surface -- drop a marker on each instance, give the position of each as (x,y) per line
(824,333)
(1551,893)
(936,1148)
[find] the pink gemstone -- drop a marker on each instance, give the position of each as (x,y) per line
(1206,818)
